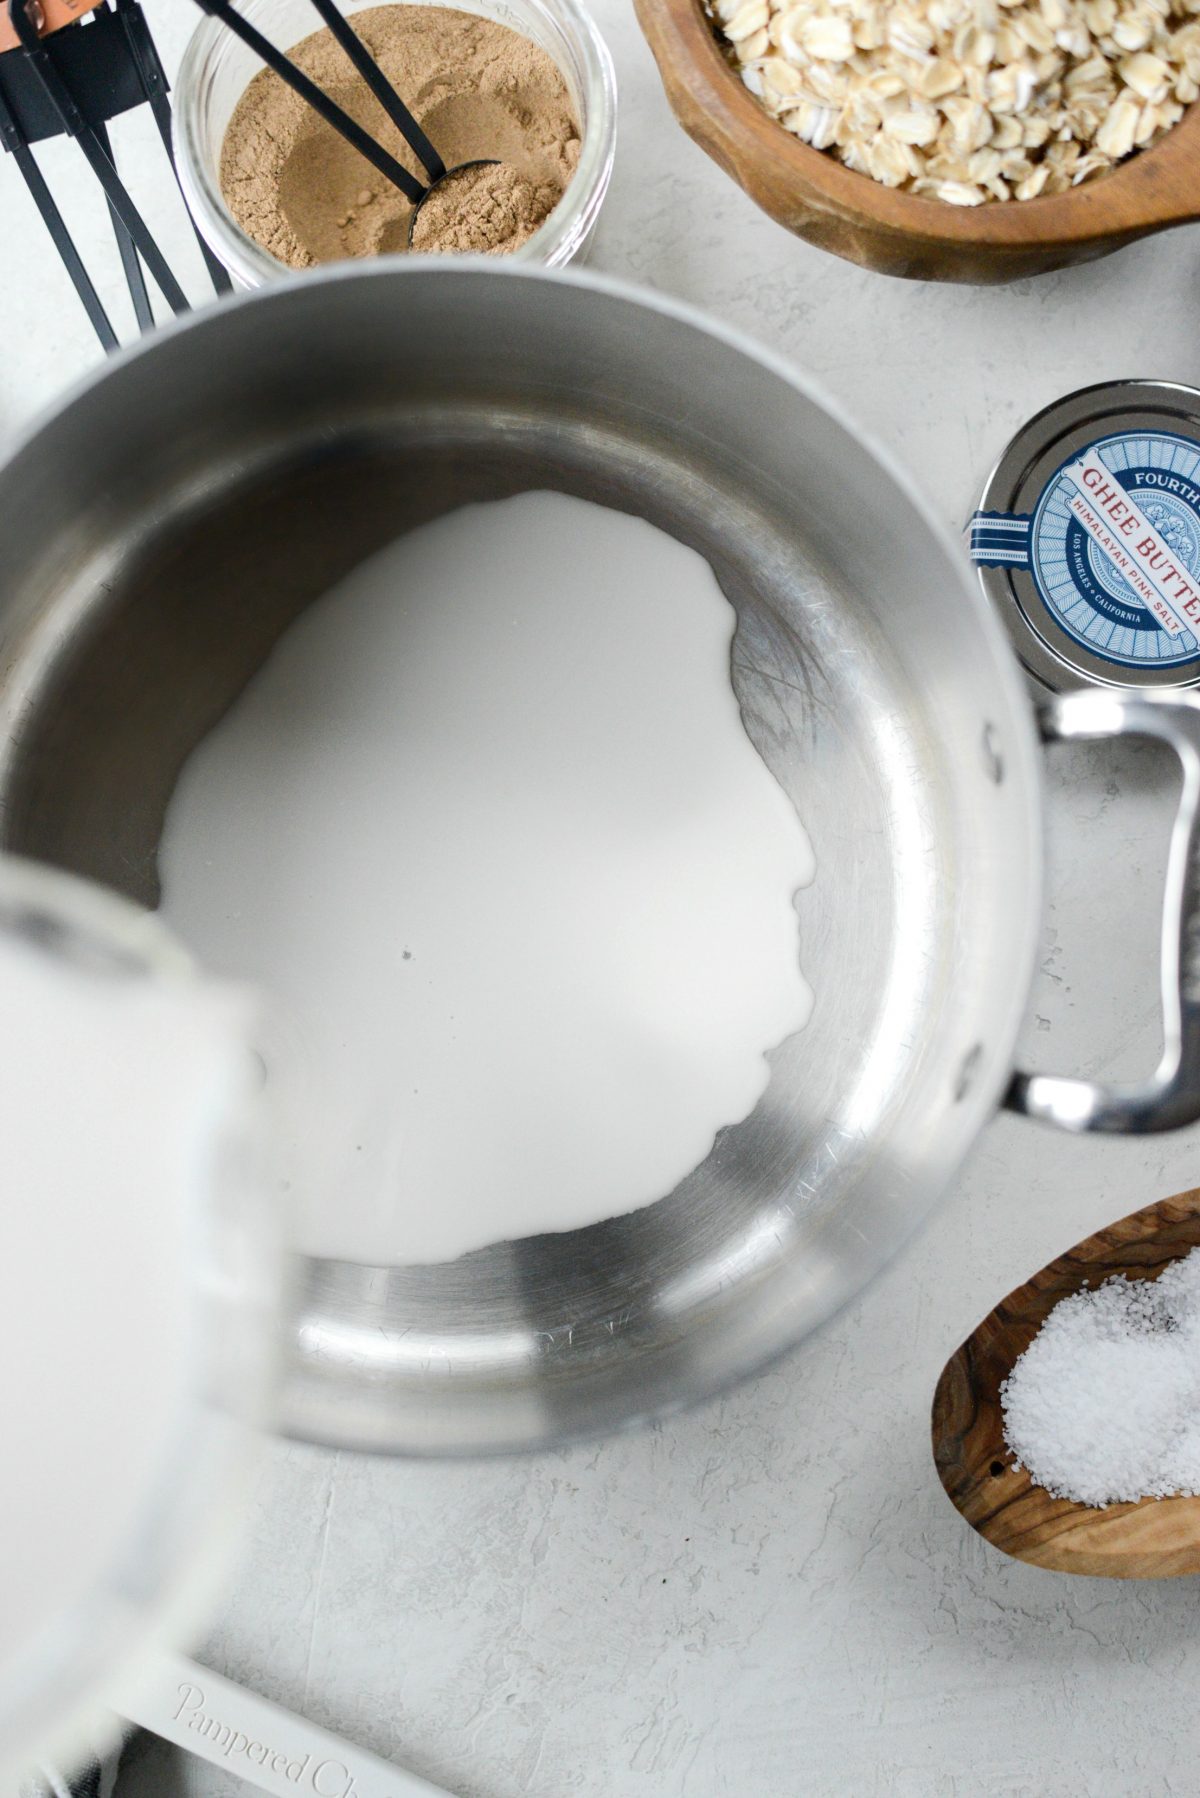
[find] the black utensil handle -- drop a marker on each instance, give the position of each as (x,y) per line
(56,226)
(321,104)
(41,64)
(130,261)
(153,83)
(380,86)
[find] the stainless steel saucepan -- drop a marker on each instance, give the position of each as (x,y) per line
(163,529)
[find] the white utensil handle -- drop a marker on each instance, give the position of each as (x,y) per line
(260,1741)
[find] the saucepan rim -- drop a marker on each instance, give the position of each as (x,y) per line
(1017,720)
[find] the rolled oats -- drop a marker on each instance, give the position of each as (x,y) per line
(970,100)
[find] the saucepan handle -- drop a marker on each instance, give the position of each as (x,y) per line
(1171,1096)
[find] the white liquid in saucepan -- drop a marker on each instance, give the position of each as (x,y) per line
(488,827)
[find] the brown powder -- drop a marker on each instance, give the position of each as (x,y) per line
(479,89)
(488,209)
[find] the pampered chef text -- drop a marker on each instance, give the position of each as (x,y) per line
(325,1777)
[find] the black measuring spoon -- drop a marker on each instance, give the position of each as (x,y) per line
(362,141)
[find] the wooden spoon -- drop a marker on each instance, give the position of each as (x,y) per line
(1154,1539)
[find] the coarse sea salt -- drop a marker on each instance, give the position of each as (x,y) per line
(1104,1405)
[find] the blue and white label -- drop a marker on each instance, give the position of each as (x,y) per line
(1000,539)
(1113,548)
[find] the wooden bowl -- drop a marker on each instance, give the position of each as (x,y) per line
(901,233)
(1157,1538)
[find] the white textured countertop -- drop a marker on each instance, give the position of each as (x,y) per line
(771,1597)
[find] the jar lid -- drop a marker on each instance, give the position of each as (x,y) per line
(1087,538)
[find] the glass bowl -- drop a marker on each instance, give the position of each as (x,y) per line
(217,68)
(164,1547)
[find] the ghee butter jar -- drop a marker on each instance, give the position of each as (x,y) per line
(1087,538)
